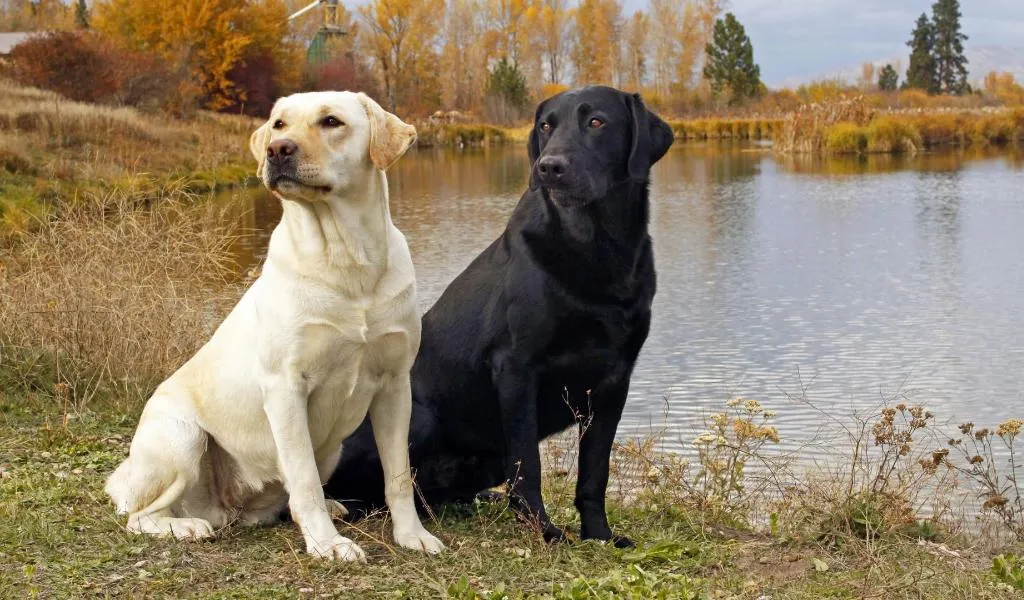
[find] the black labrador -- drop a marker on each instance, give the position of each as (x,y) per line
(542,329)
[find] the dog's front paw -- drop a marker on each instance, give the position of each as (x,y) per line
(419,539)
(336,548)
(554,535)
(619,541)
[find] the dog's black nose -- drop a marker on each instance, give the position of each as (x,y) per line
(550,169)
(281,149)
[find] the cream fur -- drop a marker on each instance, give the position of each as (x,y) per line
(325,336)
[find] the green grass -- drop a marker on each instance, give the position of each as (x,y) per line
(59,538)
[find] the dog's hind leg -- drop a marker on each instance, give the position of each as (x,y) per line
(164,461)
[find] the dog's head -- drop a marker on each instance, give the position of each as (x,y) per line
(318,143)
(587,140)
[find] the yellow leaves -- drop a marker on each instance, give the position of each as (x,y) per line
(206,37)
(403,35)
(1004,88)
(597,41)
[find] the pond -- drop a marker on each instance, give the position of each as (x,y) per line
(819,287)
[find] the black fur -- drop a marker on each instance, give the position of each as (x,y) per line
(541,331)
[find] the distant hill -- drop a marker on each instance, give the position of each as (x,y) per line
(981,60)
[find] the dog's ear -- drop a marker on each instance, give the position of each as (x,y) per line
(652,138)
(390,137)
(258,145)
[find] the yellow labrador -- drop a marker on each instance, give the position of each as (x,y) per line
(325,335)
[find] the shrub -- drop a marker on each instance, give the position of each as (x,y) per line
(86,67)
(891,134)
(845,138)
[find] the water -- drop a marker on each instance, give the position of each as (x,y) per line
(841,282)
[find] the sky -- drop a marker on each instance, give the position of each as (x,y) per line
(799,39)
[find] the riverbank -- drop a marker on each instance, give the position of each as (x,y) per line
(852,126)
(80,351)
(53,151)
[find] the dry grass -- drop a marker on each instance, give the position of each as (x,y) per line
(53,150)
(111,295)
(719,129)
(854,125)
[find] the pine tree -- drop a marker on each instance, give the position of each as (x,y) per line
(921,72)
(81,14)
(888,79)
(730,64)
(948,50)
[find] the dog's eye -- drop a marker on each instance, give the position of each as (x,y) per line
(331,122)
(278,124)
(595,123)
(545,127)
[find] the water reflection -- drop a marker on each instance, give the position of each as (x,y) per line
(838,280)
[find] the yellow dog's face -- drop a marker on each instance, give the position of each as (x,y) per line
(319,143)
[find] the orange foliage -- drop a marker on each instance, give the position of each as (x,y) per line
(207,39)
(595,53)
(1004,89)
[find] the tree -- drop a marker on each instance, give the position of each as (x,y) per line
(81,14)
(730,65)
(921,72)
(202,37)
(507,95)
(867,80)
(463,57)
(403,35)
(702,14)
(888,79)
(948,49)
(596,51)
(551,33)
(635,49)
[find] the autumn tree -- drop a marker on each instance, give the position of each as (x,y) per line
(921,72)
(888,79)
(463,56)
(206,39)
(595,52)
(551,29)
(705,15)
(403,36)
(731,69)
(1004,88)
(866,81)
(635,51)
(948,48)
(665,46)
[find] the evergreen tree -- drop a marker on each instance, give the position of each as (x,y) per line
(948,50)
(81,14)
(509,84)
(921,72)
(730,65)
(888,79)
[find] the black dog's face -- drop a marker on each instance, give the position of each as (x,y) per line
(585,141)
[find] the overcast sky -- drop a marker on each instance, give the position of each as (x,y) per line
(799,38)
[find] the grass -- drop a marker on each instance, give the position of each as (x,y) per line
(53,151)
(60,538)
